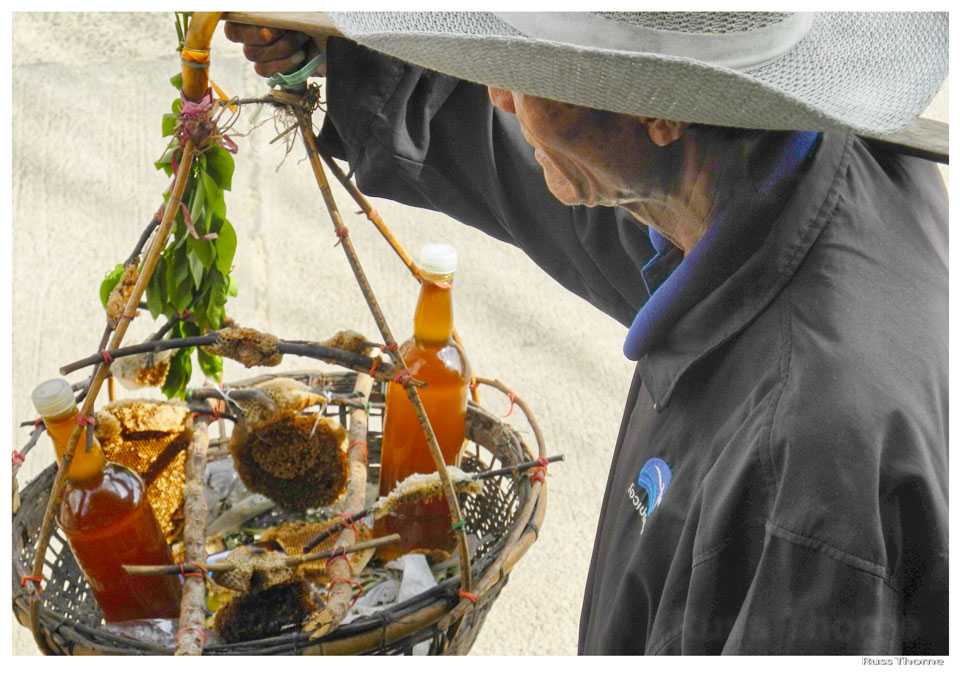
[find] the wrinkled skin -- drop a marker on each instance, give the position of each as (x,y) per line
(666,173)
(588,156)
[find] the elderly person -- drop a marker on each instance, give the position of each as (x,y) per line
(780,480)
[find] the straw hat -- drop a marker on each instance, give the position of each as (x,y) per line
(869,72)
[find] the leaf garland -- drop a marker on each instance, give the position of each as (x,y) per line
(192,281)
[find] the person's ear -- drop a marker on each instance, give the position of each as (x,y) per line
(502,99)
(664,132)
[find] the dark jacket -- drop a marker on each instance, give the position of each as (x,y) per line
(779,483)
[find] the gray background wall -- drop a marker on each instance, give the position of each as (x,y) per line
(88,93)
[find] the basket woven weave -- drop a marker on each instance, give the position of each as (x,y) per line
(504,519)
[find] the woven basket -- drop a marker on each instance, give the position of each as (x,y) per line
(504,519)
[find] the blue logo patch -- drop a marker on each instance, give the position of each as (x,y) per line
(654,478)
(647,492)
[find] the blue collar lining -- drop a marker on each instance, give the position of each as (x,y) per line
(676,283)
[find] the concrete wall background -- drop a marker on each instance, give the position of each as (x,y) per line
(88,93)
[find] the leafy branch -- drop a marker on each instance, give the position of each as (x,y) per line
(192,281)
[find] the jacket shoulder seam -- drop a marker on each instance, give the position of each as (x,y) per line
(784,365)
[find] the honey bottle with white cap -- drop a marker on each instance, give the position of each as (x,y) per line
(107,520)
(432,356)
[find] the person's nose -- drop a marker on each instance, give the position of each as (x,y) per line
(502,99)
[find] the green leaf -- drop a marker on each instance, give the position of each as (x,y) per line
(109,283)
(178,377)
(165,162)
(155,291)
(217,299)
(215,314)
(184,295)
(169,272)
(175,270)
(220,166)
(180,234)
(196,203)
(168,124)
(212,366)
(177,81)
(226,247)
(196,265)
(232,290)
(203,250)
(214,206)
(200,315)
(176,106)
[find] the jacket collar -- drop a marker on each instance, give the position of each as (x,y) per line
(740,294)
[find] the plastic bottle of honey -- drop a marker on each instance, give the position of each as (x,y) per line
(107,519)
(432,357)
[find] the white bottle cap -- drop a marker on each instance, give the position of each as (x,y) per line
(438,258)
(53,397)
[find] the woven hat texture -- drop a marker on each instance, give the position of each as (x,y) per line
(869,72)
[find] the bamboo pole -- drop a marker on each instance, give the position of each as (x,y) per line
(195,56)
(313,23)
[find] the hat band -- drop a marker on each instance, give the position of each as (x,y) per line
(740,50)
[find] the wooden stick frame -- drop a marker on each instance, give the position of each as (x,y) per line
(195,58)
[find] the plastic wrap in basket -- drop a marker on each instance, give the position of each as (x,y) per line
(502,522)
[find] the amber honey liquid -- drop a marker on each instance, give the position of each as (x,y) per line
(435,359)
(108,522)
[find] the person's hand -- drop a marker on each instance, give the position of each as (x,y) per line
(273,50)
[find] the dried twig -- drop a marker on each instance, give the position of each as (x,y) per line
(190,568)
(364,364)
(341,588)
(138,248)
(168,324)
(142,348)
(373,216)
(20,456)
(190,634)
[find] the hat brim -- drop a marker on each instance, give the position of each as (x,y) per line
(869,72)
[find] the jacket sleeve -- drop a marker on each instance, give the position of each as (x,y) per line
(436,142)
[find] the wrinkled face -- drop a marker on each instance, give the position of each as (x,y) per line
(589,157)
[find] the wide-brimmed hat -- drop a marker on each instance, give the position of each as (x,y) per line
(869,72)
